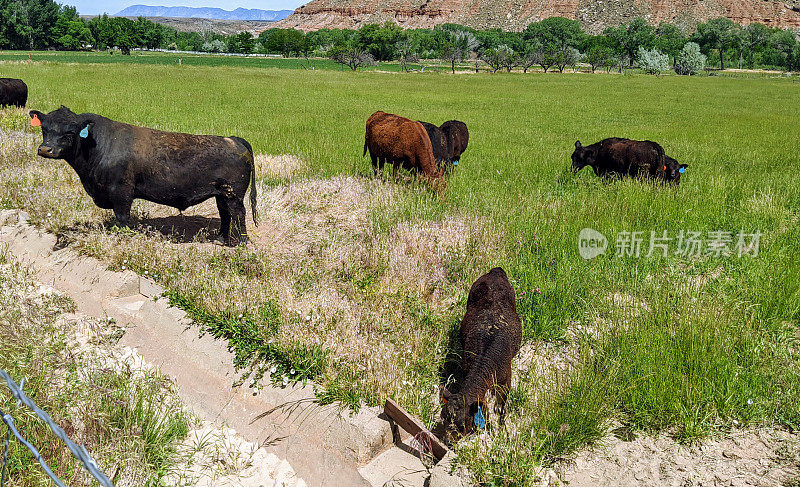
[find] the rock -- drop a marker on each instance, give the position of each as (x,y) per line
(594,16)
(441,475)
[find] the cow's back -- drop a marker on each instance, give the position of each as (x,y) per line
(638,157)
(491,324)
(13,92)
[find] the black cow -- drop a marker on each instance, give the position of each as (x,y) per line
(457,139)
(439,143)
(13,92)
(491,335)
(118,163)
(619,157)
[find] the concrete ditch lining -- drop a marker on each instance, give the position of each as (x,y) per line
(326,445)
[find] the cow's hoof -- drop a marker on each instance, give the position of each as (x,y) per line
(235,242)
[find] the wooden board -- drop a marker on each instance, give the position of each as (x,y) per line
(413,426)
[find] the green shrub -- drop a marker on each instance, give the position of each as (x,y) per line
(690,60)
(652,61)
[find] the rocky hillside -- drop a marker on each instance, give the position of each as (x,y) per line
(594,15)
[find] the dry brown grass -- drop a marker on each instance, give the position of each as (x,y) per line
(282,166)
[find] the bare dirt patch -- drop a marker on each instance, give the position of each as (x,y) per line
(743,457)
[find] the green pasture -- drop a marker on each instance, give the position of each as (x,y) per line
(689,345)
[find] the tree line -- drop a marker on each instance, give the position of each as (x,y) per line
(555,43)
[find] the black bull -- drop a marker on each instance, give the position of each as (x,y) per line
(118,163)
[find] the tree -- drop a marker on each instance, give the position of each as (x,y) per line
(124,34)
(545,56)
(567,56)
(457,46)
(627,39)
(75,34)
(407,53)
(748,39)
(598,56)
(716,34)
(555,31)
(499,57)
(282,41)
(103,30)
(352,55)
(782,44)
(214,46)
(669,39)
(379,40)
(528,58)
(690,60)
(652,61)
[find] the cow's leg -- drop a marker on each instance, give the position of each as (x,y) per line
(238,229)
(501,395)
(121,205)
(374,163)
(224,217)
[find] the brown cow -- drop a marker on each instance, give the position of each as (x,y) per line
(491,335)
(399,141)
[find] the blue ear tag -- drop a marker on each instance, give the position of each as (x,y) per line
(85,132)
(455,163)
(682,170)
(480,421)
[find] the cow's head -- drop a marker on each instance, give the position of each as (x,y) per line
(582,157)
(458,415)
(672,170)
(62,132)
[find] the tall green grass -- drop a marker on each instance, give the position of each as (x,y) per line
(712,341)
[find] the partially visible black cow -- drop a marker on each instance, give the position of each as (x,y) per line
(457,139)
(619,157)
(118,163)
(13,92)
(439,143)
(672,170)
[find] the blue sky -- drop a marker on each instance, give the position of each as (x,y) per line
(93,7)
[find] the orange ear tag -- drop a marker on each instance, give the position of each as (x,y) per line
(35,122)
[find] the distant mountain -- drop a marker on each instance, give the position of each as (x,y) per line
(204,13)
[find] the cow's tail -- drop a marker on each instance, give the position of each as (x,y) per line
(253,192)
(365,147)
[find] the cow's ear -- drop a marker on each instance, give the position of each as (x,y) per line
(36,118)
(445,394)
(86,130)
(578,144)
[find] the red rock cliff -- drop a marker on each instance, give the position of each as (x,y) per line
(515,15)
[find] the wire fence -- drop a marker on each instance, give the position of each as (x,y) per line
(79,451)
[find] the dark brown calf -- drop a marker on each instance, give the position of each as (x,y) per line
(491,334)
(618,157)
(457,137)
